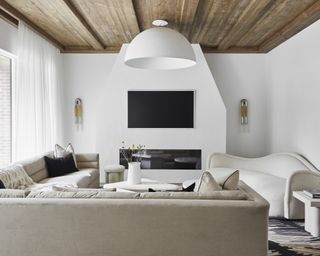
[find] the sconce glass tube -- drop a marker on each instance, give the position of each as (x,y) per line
(244,111)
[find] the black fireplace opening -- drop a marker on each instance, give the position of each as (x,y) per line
(183,159)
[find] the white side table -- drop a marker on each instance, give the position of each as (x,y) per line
(311,212)
(143,186)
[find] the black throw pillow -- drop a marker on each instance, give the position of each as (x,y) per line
(2,185)
(60,166)
(189,188)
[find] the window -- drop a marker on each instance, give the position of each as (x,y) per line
(5,110)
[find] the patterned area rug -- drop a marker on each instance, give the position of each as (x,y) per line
(288,238)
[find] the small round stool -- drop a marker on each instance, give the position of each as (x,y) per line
(114,173)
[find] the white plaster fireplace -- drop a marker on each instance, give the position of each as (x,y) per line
(208,134)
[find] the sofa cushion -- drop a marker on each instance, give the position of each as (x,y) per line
(213,195)
(81,181)
(93,174)
(70,189)
(36,167)
(207,183)
(95,194)
(84,194)
(13,193)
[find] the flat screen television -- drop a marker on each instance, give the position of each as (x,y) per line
(160,109)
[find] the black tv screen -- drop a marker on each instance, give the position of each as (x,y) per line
(160,109)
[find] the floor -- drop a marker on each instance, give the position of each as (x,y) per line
(288,238)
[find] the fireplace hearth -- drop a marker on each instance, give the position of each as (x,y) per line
(183,159)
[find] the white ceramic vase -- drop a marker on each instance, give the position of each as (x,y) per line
(134,173)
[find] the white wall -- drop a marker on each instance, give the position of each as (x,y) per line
(237,76)
(209,133)
(241,76)
(8,37)
(85,76)
(294,69)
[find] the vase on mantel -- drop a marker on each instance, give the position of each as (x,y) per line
(134,173)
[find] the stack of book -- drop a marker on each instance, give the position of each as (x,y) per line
(313,193)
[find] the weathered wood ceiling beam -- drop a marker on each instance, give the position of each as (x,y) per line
(83,21)
(207,49)
(249,17)
(185,15)
(7,17)
(303,20)
(137,17)
(19,16)
(110,49)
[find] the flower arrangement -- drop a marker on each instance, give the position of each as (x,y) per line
(132,153)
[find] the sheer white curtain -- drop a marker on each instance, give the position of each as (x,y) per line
(36,101)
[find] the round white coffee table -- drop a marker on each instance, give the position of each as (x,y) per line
(143,186)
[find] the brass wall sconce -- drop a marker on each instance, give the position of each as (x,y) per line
(78,111)
(244,111)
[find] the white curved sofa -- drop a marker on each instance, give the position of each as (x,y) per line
(275,177)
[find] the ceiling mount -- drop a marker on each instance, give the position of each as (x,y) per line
(160,23)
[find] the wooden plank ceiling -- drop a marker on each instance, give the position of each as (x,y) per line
(218,25)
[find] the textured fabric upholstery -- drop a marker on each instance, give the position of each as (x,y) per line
(83,194)
(36,167)
(275,177)
(70,189)
(13,193)
(15,177)
(93,174)
(100,193)
(81,181)
(87,176)
(207,183)
(122,227)
(87,161)
(216,195)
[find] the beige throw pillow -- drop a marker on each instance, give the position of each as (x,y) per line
(227,179)
(208,183)
(62,152)
(15,177)
(231,182)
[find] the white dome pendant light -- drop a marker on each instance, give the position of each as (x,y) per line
(160,48)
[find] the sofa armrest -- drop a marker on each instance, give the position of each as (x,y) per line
(299,180)
(88,160)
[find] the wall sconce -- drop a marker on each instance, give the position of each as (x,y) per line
(78,111)
(244,111)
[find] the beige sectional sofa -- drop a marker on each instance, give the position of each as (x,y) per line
(122,224)
(96,222)
(86,177)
